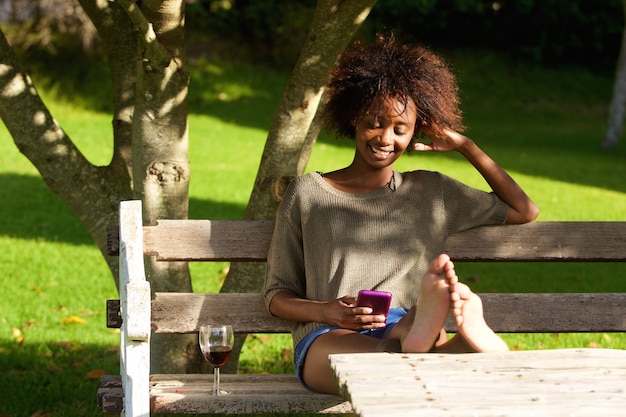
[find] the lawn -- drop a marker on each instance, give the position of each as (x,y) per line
(545,126)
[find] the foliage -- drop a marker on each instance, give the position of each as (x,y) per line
(274,30)
(48,24)
(583,32)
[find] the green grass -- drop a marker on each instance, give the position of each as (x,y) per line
(545,126)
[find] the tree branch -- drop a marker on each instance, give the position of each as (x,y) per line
(146,30)
(35,132)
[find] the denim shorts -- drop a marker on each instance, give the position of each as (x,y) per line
(394,316)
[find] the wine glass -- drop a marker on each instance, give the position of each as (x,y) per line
(216,343)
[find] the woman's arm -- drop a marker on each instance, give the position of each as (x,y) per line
(340,312)
(521,208)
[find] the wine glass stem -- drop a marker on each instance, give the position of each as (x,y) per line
(216,381)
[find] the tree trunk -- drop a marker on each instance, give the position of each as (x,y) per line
(618,102)
(294,128)
(160,154)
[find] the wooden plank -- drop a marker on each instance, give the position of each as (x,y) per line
(506,313)
(581,382)
(554,312)
(217,240)
(186,312)
(541,241)
(249,394)
(248,240)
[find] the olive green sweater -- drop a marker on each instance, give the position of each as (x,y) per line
(328,243)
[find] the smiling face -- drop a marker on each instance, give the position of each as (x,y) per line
(384,132)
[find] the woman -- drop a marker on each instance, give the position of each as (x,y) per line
(367,226)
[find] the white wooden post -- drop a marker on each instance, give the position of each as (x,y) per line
(135,311)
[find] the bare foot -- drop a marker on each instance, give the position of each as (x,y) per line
(467,309)
(433,306)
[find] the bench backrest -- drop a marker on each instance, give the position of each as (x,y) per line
(206,240)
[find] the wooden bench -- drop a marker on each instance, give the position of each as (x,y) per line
(139,393)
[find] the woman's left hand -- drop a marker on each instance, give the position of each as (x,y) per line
(451,141)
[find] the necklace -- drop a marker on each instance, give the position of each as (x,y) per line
(392,182)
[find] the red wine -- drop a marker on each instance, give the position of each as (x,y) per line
(218,355)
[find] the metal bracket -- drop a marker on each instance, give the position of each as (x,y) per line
(114,317)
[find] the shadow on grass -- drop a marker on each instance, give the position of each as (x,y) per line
(30,210)
(208,209)
(54,378)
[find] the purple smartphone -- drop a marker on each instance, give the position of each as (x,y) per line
(378,301)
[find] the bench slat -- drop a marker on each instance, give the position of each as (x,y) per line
(249,240)
(204,240)
(185,312)
(505,313)
(541,241)
(249,394)
(555,312)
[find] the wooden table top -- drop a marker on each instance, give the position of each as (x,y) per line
(560,382)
